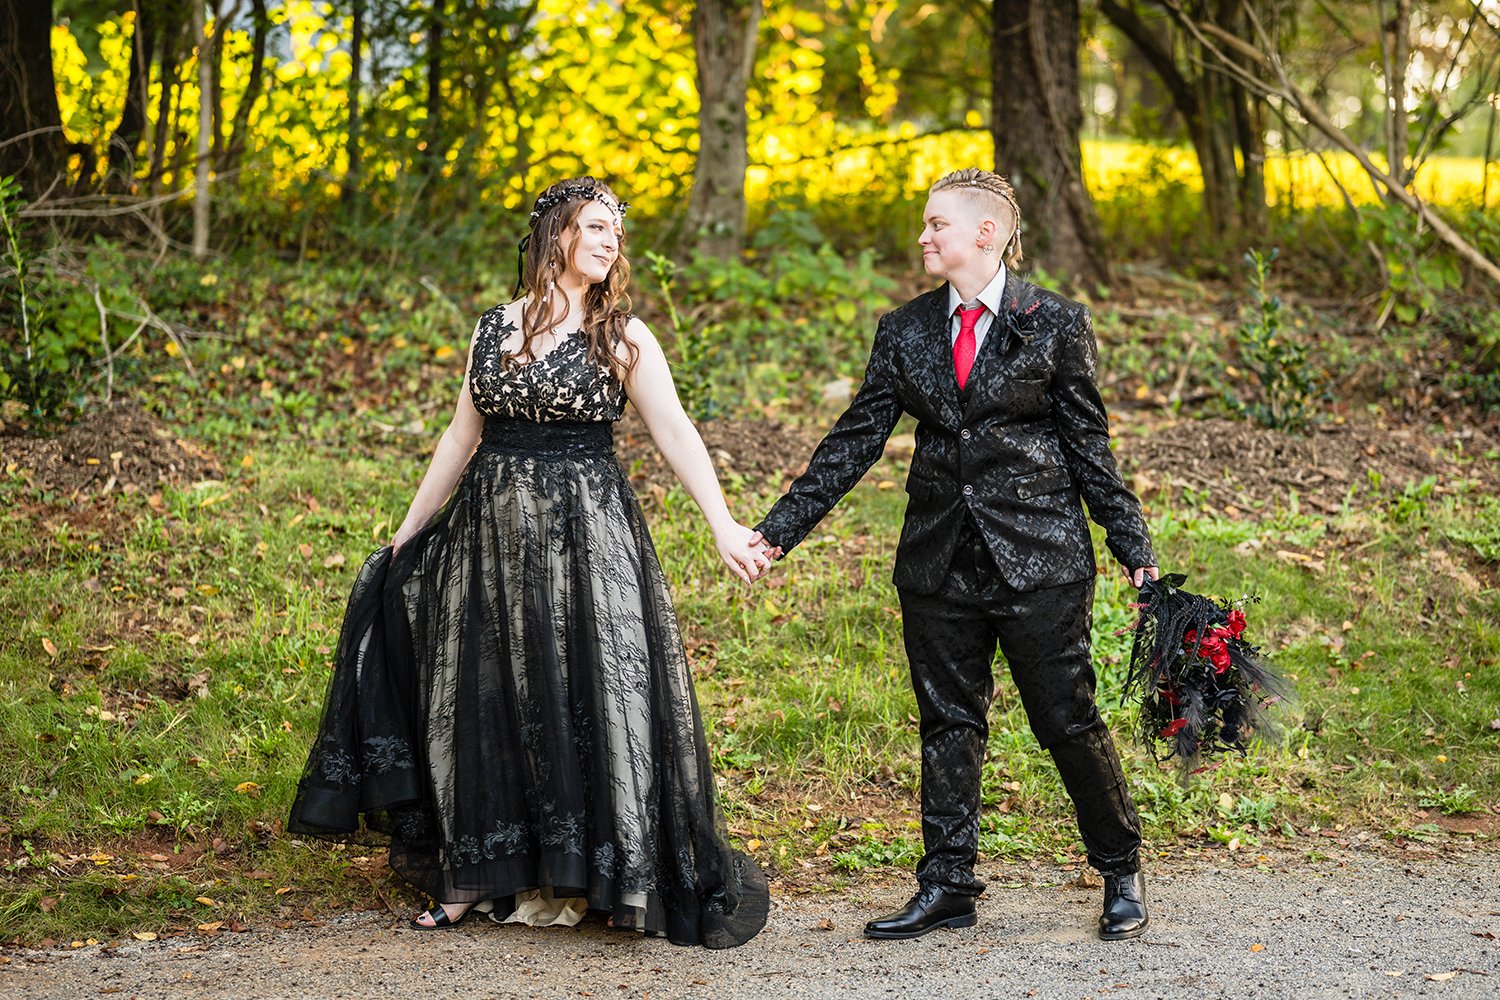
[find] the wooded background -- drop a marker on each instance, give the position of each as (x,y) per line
(289,123)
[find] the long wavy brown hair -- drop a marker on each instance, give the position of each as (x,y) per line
(606,306)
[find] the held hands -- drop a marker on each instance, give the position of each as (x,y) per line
(771,552)
(743,551)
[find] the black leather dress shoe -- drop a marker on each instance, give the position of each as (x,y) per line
(1124,914)
(929,909)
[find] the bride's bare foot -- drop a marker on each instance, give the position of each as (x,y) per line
(443,915)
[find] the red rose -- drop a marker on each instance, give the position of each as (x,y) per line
(1237,622)
(1214,650)
(1172,728)
(1220,659)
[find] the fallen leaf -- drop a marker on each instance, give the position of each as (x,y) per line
(337,559)
(1257,947)
(1440,977)
(47,645)
(48,904)
(752,845)
(825,924)
(143,935)
(249,788)
(211,926)
(204,900)
(257,873)
(305,550)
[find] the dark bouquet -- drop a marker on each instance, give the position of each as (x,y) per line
(1203,688)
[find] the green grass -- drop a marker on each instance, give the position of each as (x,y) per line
(149,762)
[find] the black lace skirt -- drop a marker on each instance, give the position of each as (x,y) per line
(511,704)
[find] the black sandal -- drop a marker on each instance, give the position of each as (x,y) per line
(440,919)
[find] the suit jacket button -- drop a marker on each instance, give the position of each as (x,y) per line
(965,434)
(968,490)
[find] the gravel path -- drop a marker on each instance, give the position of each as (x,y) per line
(1377,923)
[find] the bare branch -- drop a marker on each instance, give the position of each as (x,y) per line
(1288,91)
(109,358)
(40,210)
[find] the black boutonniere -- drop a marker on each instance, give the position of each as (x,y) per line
(1021,320)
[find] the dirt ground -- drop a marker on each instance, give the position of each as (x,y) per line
(1230,463)
(1234,464)
(116,447)
(1363,921)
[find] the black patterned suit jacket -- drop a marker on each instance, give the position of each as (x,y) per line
(1020,448)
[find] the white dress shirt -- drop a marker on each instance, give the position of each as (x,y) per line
(989,298)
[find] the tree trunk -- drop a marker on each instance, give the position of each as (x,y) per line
(1036,119)
(432,133)
(1397,51)
(223,19)
(350,185)
(127,135)
(1250,136)
(28,98)
(205,129)
(724,37)
(1213,143)
(1217,112)
(238,130)
(1244,130)
(169,42)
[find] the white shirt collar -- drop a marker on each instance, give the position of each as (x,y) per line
(990,298)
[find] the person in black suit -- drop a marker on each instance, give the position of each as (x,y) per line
(1012,440)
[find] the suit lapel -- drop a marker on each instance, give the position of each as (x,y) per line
(937,353)
(1001,333)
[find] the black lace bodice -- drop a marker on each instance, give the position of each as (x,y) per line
(561,385)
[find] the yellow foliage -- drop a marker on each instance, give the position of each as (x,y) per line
(610,89)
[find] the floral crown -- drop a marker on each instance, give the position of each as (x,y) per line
(551,199)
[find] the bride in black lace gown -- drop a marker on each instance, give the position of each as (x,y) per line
(510,701)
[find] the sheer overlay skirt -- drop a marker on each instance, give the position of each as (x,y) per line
(512,705)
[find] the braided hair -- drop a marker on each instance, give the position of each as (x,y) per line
(995,193)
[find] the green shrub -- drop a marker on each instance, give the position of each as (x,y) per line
(1275,355)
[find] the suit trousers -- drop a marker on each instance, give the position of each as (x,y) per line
(951,636)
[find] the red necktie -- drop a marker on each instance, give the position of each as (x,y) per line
(963,347)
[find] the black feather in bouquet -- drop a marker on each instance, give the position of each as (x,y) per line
(1203,688)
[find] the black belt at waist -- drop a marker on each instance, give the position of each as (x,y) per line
(531,437)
